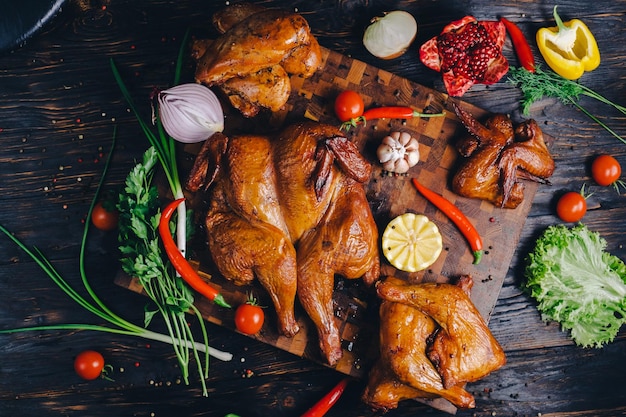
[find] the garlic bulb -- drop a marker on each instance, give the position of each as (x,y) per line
(190,112)
(398,152)
(390,36)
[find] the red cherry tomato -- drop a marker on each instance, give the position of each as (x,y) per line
(349,105)
(89,364)
(605,170)
(104,218)
(249,317)
(571,207)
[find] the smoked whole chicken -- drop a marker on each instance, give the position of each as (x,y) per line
(291,211)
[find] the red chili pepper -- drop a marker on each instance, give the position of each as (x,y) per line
(522,48)
(458,218)
(327,401)
(184,268)
(388,112)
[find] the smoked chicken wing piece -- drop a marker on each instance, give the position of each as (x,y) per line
(207,164)
(261,40)
(479,175)
(527,158)
(497,157)
(463,349)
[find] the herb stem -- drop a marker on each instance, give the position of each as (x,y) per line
(143,333)
(546,83)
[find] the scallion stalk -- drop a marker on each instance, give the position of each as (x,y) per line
(96,306)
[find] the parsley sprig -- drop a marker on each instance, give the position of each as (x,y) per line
(89,300)
(144,259)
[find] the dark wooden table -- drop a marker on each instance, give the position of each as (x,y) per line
(59,104)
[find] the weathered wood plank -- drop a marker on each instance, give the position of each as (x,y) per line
(63,75)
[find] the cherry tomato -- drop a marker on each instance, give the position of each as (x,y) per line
(89,364)
(571,207)
(104,218)
(605,170)
(349,105)
(249,317)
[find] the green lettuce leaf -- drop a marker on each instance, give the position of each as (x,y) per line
(578,284)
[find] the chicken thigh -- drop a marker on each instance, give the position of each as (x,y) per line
(419,322)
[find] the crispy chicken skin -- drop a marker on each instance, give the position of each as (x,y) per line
(252,60)
(463,349)
(418,322)
(291,211)
(498,155)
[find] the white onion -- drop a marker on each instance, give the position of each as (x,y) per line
(190,113)
(390,36)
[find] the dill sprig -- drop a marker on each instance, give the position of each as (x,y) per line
(546,83)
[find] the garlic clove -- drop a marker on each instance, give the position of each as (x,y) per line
(390,36)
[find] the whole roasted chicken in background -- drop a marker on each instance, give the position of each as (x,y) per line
(291,211)
(499,155)
(432,341)
(253,58)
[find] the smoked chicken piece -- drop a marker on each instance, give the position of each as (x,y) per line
(419,325)
(499,155)
(291,211)
(462,349)
(403,370)
(253,58)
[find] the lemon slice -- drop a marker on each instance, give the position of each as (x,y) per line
(411,242)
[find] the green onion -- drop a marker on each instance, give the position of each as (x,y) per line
(94,304)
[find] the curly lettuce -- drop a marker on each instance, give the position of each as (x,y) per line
(578,284)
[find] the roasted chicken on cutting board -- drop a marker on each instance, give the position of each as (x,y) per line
(497,155)
(291,211)
(432,341)
(253,58)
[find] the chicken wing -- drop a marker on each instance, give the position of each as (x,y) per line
(497,157)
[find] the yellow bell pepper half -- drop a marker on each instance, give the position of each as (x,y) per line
(569,49)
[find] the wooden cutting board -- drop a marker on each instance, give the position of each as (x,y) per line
(389,196)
